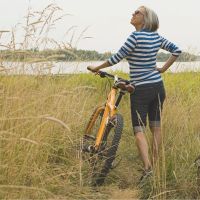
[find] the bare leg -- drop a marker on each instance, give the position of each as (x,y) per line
(142,145)
(157,139)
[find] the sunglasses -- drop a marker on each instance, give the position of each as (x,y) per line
(138,12)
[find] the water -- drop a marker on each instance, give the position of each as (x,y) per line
(81,67)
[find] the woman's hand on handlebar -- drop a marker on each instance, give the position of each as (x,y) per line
(99,67)
(92,69)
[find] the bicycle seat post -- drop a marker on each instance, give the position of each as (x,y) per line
(121,93)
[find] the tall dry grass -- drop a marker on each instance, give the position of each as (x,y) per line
(42,122)
(43,117)
(37,33)
(175,174)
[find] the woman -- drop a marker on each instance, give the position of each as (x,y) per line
(140,50)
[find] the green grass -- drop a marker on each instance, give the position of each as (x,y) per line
(42,120)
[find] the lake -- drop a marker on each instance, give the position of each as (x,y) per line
(81,67)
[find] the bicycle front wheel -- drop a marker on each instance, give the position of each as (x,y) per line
(108,149)
(90,158)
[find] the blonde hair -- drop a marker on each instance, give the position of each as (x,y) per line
(151,22)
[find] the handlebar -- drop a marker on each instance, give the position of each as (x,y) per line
(120,82)
(103,74)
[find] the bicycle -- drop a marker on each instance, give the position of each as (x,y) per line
(103,131)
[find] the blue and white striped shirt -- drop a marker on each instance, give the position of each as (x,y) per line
(140,50)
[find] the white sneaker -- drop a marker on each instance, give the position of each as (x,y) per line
(146,174)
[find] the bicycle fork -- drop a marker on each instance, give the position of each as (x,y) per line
(110,110)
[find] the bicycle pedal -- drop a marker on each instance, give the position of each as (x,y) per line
(111,123)
(88,148)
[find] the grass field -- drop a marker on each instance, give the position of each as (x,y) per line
(41,124)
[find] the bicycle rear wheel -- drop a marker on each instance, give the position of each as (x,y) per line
(108,150)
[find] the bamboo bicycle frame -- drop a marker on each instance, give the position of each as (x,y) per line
(109,111)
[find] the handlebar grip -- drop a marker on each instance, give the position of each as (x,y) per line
(103,74)
(88,68)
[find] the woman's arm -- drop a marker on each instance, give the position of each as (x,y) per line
(96,69)
(173,49)
(168,63)
(123,52)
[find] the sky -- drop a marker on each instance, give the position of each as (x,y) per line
(107,22)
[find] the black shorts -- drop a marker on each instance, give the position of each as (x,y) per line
(147,100)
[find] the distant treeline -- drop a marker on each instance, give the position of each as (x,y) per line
(74,55)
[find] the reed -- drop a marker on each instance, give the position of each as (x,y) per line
(43,117)
(42,122)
